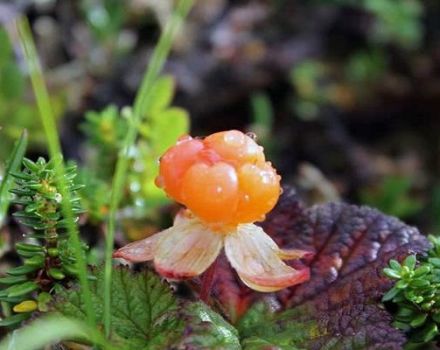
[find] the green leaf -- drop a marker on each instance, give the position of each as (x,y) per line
(161,95)
(13,279)
(5,47)
(12,167)
(21,270)
(410,262)
(390,294)
(391,273)
(12,82)
(167,127)
(418,320)
(21,289)
(50,330)
(395,265)
(146,315)
(262,329)
(12,321)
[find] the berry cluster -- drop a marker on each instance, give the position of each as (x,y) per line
(223,178)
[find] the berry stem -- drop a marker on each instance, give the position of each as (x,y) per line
(207,282)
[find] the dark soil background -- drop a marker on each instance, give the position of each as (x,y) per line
(345,95)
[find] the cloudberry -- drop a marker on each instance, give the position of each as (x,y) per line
(223,178)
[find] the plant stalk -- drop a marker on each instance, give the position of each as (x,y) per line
(141,104)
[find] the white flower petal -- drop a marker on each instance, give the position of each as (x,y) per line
(187,249)
(256,258)
(142,250)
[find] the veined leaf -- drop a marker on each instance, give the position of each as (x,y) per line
(146,315)
(340,306)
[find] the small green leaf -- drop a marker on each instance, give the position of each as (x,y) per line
(394,264)
(167,127)
(13,166)
(418,320)
(161,95)
(21,270)
(390,294)
(435,261)
(430,332)
(35,261)
(14,320)
(12,279)
(391,273)
(56,273)
(29,247)
(410,262)
(21,289)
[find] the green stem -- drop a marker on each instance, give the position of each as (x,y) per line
(141,103)
(50,128)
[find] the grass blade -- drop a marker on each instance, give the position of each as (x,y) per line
(12,166)
(142,101)
(51,132)
(50,330)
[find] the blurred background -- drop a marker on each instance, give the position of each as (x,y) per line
(343,94)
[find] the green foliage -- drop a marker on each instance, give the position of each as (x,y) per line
(417,294)
(261,328)
(95,195)
(393,196)
(38,193)
(44,264)
(16,111)
(50,330)
(104,17)
(306,78)
(105,131)
(12,166)
(145,314)
(162,125)
(397,22)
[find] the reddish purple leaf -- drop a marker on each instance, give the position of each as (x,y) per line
(352,245)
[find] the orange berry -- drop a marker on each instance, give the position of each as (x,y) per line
(235,147)
(211,191)
(259,191)
(174,163)
(223,179)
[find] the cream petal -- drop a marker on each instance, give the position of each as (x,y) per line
(256,258)
(142,250)
(187,250)
(289,254)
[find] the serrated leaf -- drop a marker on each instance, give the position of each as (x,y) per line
(146,315)
(340,306)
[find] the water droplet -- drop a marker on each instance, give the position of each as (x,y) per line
(252,135)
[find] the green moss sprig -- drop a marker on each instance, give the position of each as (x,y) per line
(417,294)
(47,260)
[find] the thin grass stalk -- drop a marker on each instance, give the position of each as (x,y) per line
(53,143)
(141,103)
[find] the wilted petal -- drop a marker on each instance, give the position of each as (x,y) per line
(289,254)
(187,249)
(142,250)
(256,258)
